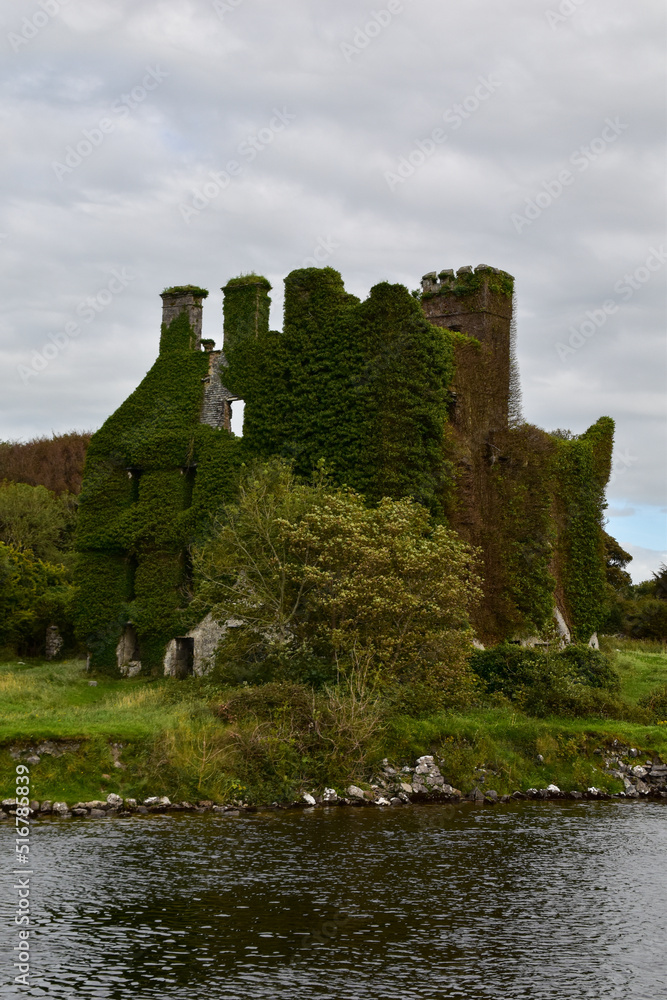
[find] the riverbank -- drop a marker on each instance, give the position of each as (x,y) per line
(420,784)
(84,739)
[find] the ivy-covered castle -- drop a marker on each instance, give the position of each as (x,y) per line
(401,394)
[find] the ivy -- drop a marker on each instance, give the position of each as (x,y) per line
(582,467)
(364,389)
(153,476)
(363,386)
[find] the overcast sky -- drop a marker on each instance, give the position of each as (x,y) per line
(157,142)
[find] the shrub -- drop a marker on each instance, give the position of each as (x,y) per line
(316,581)
(576,681)
(656,703)
(33,594)
(591,666)
(646,619)
(32,518)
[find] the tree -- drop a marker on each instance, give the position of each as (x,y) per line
(616,559)
(311,571)
(32,519)
(33,594)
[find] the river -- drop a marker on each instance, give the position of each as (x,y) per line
(536,900)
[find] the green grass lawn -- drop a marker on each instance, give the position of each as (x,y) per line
(46,700)
(642,666)
(167,739)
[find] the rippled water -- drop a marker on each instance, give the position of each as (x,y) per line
(529,900)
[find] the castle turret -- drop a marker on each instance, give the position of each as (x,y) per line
(477,303)
(245,310)
(182,301)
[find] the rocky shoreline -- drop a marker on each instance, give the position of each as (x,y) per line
(423,783)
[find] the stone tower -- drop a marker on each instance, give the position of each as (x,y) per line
(477,304)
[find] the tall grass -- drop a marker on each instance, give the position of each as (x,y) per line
(195,740)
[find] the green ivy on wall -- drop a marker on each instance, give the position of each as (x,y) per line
(582,468)
(365,388)
(154,475)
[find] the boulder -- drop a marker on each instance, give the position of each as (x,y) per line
(307,798)
(114,800)
(354,792)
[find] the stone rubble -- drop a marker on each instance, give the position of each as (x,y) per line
(391,787)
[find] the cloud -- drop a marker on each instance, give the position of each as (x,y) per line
(645,562)
(324,176)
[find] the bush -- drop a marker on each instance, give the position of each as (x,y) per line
(320,586)
(285,734)
(33,594)
(591,666)
(576,681)
(33,519)
(656,703)
(646,619)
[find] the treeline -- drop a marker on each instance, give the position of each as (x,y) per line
(39,485)
(55,462)
(639,610)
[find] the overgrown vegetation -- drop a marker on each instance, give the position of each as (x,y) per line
(198,739)
(321,586)
(153,475)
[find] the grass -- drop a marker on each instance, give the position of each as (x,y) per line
(174,738)
(642,665)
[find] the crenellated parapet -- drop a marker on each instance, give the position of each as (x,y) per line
(475,302)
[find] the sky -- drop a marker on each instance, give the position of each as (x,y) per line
(149,143)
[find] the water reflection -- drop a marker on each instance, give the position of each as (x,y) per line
(533,900)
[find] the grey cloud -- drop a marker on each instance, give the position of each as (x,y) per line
(325,175)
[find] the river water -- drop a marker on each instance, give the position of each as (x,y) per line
(543,900)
